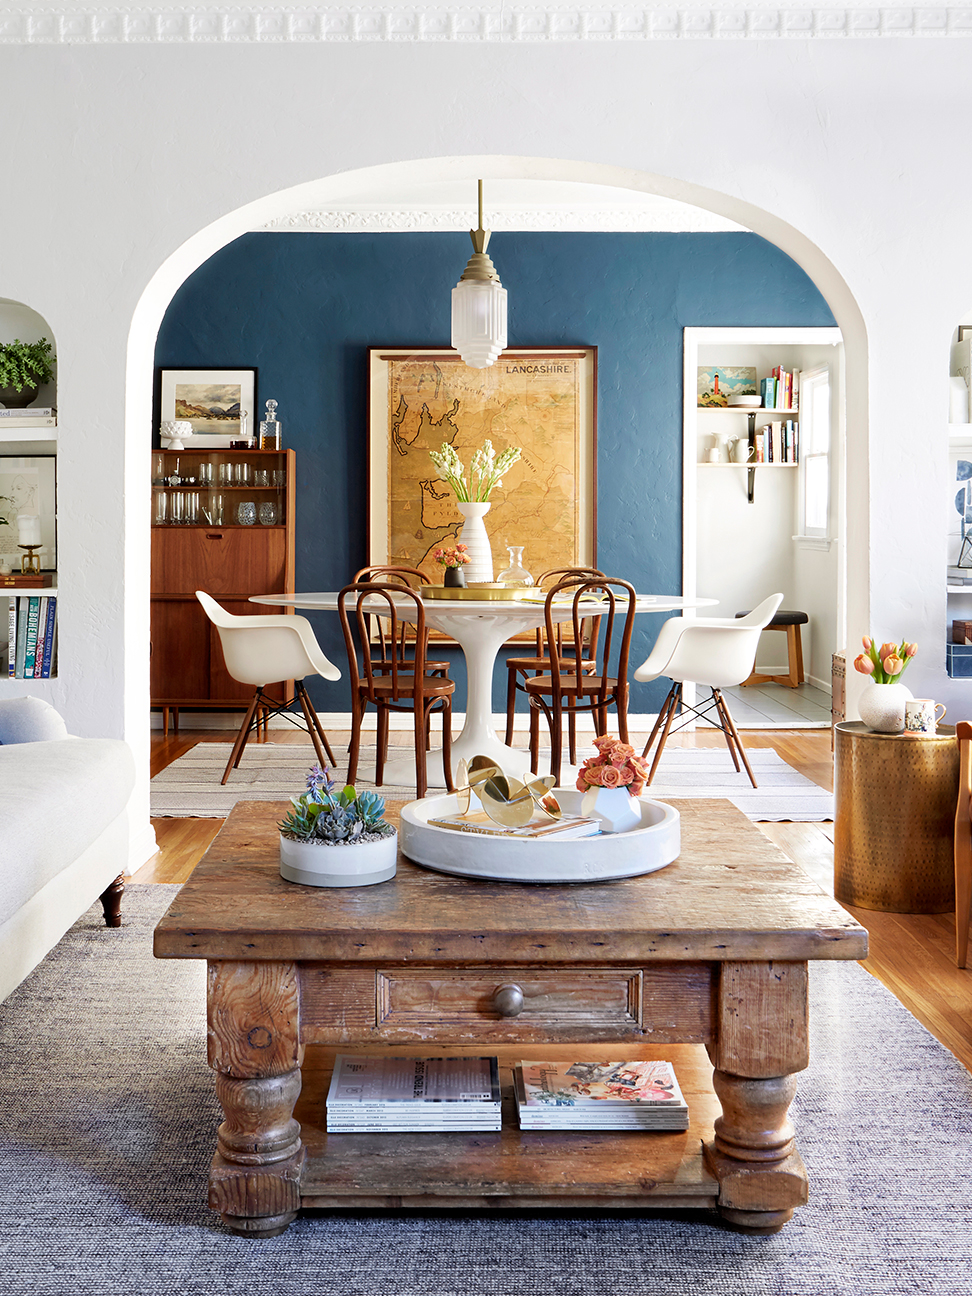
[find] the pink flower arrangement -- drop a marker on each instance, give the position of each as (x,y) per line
(884,664)
(615,765)
(452,557)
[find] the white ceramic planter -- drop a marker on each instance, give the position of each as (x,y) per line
(474,537)
(616,808)
(882,706)
(360,864)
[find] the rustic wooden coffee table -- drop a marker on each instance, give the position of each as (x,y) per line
(708,956)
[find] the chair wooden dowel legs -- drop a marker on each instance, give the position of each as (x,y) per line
(671,703)
(241,737)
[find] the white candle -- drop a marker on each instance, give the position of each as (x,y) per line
(28,529)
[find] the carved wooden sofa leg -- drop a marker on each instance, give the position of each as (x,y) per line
(111,899)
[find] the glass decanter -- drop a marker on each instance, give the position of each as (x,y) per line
(516,573)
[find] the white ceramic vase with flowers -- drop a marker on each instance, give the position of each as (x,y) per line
(472,499)
(611,782)
(882,700)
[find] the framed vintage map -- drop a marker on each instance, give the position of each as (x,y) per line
(540,400)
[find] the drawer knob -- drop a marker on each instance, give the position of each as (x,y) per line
(508,1000)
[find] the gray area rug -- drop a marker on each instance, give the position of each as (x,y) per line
(190,787)
(107,1124)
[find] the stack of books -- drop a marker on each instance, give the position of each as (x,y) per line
(599,1096)
(31,650)
(377,1095)
(478,821)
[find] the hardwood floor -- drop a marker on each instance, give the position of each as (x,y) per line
(911,954)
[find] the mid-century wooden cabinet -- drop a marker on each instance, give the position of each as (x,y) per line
(223,522)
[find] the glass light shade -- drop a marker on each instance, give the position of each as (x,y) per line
(479,321)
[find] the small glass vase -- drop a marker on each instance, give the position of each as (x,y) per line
(516,573)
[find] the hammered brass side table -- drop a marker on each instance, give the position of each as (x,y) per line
(894,813)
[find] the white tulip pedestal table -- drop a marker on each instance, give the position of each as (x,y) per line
(480,629)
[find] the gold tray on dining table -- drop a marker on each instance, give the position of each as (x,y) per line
(488,592)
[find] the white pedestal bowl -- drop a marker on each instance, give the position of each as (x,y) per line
(643,849)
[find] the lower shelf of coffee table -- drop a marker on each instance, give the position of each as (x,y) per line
(514,1168)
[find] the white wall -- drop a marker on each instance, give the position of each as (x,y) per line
(844,152)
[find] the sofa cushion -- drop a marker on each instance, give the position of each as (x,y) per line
(56,798)
(29,719)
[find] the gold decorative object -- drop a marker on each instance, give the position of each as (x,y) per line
(486,593)
(30,563)
(508,801)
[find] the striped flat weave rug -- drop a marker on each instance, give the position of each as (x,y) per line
(108,1123)
(190,786)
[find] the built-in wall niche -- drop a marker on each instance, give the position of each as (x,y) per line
(19,322)
(739,550)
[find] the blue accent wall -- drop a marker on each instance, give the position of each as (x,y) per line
(305,308)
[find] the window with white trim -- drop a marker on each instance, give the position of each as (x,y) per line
(815,439)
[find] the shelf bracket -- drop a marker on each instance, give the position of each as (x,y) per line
(751,492)
(751,473)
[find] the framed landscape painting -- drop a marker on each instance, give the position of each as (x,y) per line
(718,382)
(219,403)
(542,401)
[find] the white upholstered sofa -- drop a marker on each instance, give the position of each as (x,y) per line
(64,836)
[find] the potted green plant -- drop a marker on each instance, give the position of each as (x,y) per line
(336,839)
(24,368)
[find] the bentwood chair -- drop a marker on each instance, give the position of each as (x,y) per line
(715,652)
(963,844)
(405,686)
(572,688)
(261,650)
(410,578)
(521,668)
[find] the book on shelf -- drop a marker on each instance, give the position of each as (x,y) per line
(383,1094)
(27,580)
(31,636)
(478,821)
(599,1095)
(31,412)
(16,421)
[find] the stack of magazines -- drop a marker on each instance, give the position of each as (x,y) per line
(478,821)
(374,1095)
(599,1096)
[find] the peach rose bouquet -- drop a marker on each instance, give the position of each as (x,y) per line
(614,766)
(886,664)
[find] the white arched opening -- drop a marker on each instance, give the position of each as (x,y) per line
(384,184)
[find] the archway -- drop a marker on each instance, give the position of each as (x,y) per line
(387,180)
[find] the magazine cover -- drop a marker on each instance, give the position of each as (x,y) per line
(578,1084)
(360,1079)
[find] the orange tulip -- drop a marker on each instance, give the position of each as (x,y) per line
(911,649)
(887,650)
(864,665)
(892,665)
(867,643)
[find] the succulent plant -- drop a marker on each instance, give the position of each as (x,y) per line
(322,814)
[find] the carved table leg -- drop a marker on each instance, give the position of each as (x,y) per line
(761,1042)
(111,899)
(254,1046)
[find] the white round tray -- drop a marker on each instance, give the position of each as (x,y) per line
(502,859)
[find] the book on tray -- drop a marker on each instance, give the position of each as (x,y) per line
(478,821)
(599,1095)
(375,1094)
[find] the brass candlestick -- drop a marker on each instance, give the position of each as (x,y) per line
(30,563)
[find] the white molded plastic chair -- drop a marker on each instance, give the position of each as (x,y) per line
(716,652)
(261,650)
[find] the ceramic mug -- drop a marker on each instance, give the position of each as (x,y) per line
(921,717)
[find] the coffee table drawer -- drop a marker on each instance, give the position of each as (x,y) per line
(510,1003)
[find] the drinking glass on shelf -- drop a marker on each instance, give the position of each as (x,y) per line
(243,474)
(279,477)
(226,474)
(261,478)
(206,474)
(161,508)
(192,508)
(158,469)
(246,513)
(177,507)
(268,514)
(215,510)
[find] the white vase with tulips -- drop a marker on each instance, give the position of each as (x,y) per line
(472,499)
(882,701)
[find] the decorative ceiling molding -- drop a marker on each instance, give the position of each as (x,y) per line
(678,218)
(44,24)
